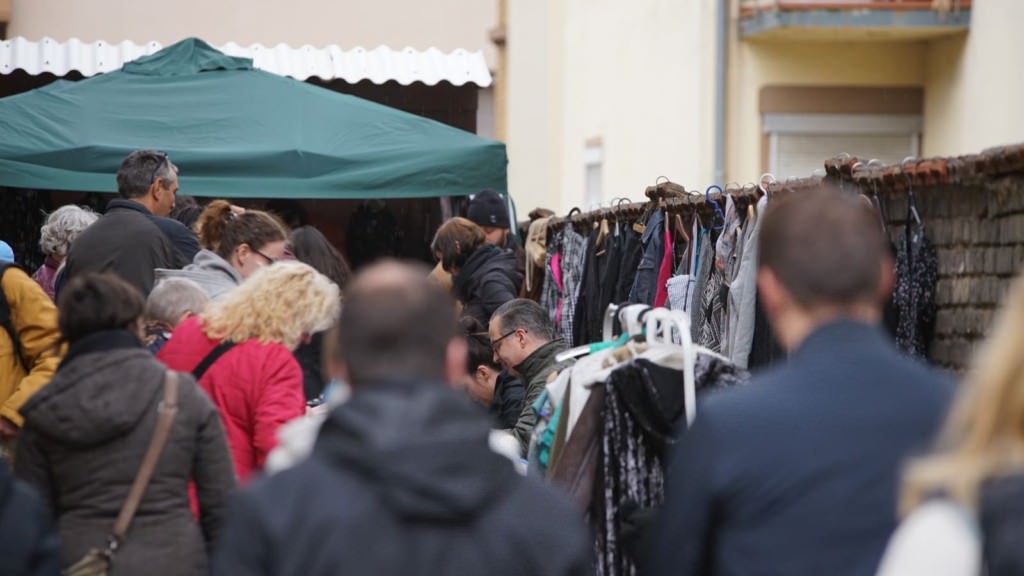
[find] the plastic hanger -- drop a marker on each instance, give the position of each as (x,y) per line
(718,209)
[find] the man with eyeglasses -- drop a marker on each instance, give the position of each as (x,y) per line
(523,339)
(130,239)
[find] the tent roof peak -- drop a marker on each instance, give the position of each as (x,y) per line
(184,58)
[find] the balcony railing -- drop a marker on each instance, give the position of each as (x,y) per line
(752,6)
(910,17)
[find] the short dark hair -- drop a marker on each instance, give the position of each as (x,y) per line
(97,301)
(396,323)
(140,170)
(186,210)
(310,246)
(525,314)
(479,344)
(825,247)
(455,241)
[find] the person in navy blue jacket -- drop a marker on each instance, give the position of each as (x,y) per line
(797,472)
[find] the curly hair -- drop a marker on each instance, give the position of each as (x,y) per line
(280,303)
(62,226)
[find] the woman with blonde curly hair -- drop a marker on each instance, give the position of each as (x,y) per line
(965,503)
(240,352)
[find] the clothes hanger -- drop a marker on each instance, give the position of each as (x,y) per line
(630,318)
(766,189)
(718,209)
(911,201)
(662,349)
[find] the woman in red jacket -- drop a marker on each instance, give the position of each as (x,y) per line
(240,351)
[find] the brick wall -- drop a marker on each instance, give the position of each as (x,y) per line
(978,230)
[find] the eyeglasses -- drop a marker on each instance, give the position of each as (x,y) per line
(270,261)
(495,344)
(163,160)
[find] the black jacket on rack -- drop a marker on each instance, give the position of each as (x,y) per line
(798,472)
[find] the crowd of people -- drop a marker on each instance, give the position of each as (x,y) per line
(191,389)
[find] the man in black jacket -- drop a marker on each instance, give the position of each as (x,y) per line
(401,480)
(135,237)
(797,472)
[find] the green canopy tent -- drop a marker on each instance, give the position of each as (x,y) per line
(235,132)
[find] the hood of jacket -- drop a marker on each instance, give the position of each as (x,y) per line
(485,262)
(212,273)
(422,447)
(102,389)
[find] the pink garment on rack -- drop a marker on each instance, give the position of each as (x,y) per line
(665,272)
(556,272)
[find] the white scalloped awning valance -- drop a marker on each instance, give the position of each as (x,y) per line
(379,65)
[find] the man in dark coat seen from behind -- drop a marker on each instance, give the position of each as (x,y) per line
(402,481)
(135,237)
(798,471)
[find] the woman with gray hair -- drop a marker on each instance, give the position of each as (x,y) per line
(171,302)
(61,228)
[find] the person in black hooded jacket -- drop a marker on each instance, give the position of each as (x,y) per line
(402,480)
(483,276)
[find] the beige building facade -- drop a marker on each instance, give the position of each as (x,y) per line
(608,96)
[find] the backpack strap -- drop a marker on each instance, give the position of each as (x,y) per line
(210,358)
(5,317)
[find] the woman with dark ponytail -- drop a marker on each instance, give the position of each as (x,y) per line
(235,244)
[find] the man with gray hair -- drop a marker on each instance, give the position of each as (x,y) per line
(169,304)
(523,340)
(130,239)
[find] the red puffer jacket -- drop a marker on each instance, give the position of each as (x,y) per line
(256,387)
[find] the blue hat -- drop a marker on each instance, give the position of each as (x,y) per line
(6,253)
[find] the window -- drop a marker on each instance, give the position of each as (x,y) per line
(799,143)
(593,158)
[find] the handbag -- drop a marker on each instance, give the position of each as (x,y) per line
(96,561)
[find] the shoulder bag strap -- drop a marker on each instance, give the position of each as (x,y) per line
(168,408)
(210,358)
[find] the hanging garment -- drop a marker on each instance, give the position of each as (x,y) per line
(678,292)
(917,272)
(712,306)
(632,252)
(645,286)
(549,294)
(597,287)
(588,292)
(743,292)
(574,247)
(644,406)
(664,272)
(765,350)
(715,297)
(705,257)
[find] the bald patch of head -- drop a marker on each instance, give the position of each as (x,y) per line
(396,324)
(389,274)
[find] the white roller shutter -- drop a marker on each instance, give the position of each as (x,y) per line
(801,154)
